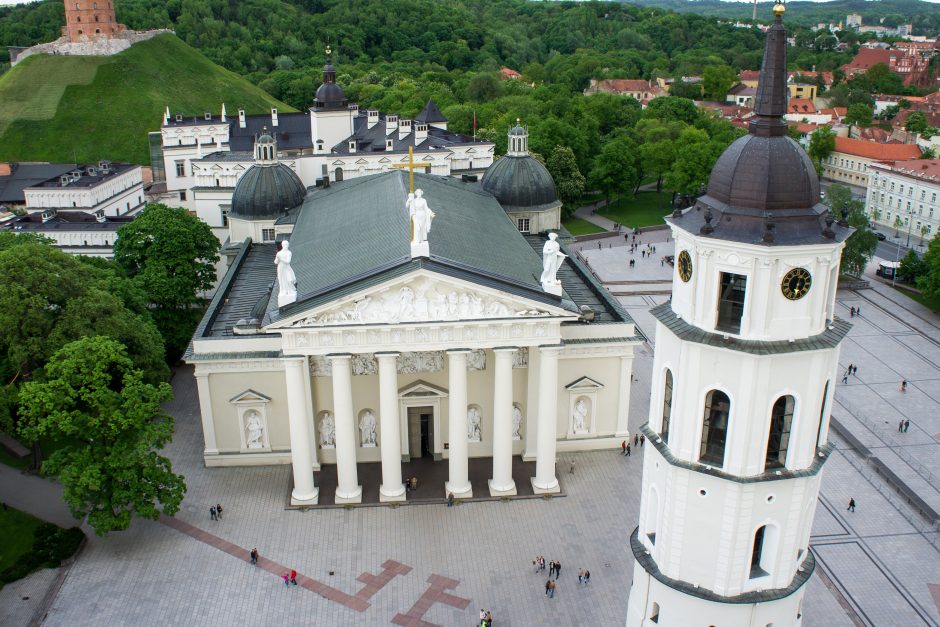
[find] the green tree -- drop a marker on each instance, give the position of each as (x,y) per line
(569,181)
(690,91)
(929,280)
(695,157)
(821,144)
(859,114)
(484,87)
(96,400)
(717,80)
(670,108)
(912,266)
(615,167)
(172,256)
(916,122)
(860,246)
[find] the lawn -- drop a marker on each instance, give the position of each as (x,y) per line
(16,529)
(580,226)
(933,304)
(646,209)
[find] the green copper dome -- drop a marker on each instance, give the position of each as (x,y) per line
(265,191)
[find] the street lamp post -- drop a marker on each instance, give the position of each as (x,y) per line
(897,260)
(910,223)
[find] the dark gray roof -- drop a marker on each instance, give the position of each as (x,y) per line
(358,226)
(373,139)
(830,338)
(66,221)
(521,183)
(430,113)
(88,175)
(23,175)
(292,131)
(233,155)
(265,191)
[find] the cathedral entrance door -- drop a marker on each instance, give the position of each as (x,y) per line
(420,412)
(427,435)
(421,432)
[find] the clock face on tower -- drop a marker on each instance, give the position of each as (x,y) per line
(796,283)
(684,265)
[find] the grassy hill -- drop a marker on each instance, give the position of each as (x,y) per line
(80,109)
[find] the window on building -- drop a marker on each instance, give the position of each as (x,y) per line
(180,168)
(183,195)
(933,197)
(731,302)
(667,406)
(97,31)
(781,419)
(78,19)
(715,428)
(923,194)
(757,553)
(901,189)
(523,224)
(654,613)
(225,210)
(267,235)
(892,186)
(822,415)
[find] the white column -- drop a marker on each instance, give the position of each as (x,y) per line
(502,484)
(392,488)
(348,489)
(459,481)
(623,400)
(304,493)
(311,415)
(205,411)
(531,406)
(544,481)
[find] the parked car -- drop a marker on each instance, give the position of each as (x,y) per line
(881,236)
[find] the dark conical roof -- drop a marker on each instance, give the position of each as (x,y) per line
(330,95)
(764,188)
(431,113)
(265,191)
(520,182)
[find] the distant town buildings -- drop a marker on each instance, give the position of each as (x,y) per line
(911,60)
(849,163)
(904,195)
(643,91)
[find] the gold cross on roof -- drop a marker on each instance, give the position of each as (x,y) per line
(411,165)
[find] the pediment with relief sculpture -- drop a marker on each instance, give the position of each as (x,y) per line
(422,299)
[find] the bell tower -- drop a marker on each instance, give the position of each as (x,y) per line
(743,376)
(86,20)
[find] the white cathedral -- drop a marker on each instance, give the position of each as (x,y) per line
(204,157)
(743,378)
(370,322)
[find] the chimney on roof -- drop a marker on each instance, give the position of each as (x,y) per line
(48,214)
(241,118)
(207,115)
(404,129)
(273,116)
(179,117)
(421,132)
(372,118)
(99,216)
(391,124)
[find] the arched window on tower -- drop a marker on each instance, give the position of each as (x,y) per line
(667,406)
(715,428)
(781,419)
(822,415)
(757,551)
(762,551)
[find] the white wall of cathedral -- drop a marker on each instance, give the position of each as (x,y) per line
(260,231)
(753,384)
(212,205)
(328,128)
(768,314)
(536,221)
(650,598)
(705,526)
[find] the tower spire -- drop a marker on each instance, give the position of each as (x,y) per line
(771,101)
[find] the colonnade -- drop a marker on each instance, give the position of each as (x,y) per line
(392,489)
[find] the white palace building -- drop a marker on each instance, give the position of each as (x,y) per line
(371,324)
(204,157)
(743,377)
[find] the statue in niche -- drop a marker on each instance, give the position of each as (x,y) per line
(254,429)
(474,433)
(552,257)
(516,423)
(367,429)
(327,431)
(286,279)
(421,216)
(579,417)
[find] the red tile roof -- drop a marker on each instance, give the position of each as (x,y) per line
(875,150)
(749,75)
(801,105)
(915,167)
(868,57)
(509,73)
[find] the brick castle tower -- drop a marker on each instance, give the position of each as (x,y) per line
(86,20)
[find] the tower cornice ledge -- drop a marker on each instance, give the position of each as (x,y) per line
(835,330)
(822,455)
(803,572)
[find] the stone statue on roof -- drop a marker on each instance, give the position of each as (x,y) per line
(552,258)
(421,216)
(286,279)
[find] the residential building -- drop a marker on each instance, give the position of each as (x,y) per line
(75,232)
(905,196)
(116,189)
(644,91)
(848,164)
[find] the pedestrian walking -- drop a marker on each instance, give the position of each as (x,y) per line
(907,425)
(571,467)
(628,450)
(623,447)
(851,507)
(900,426)
(218,510)
(845,377)
(542,562)
(286,578)
(587,576)
(858,311)
(851,312)
(254,556)
(450,499)
(535,565)
(580,575)
(642,439)
(557,569)
(636,439)
(293,577)
(549,590)
(854,370)
(213,515)
(904,385)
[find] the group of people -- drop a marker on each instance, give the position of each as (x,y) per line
(903,426)
(854,311)
(411,485)
(554,572)
(852,369)
(215,512)
(290,578)
(638,440)
(486,618)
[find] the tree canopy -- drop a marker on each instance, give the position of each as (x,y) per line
(95,400)
(860,246)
